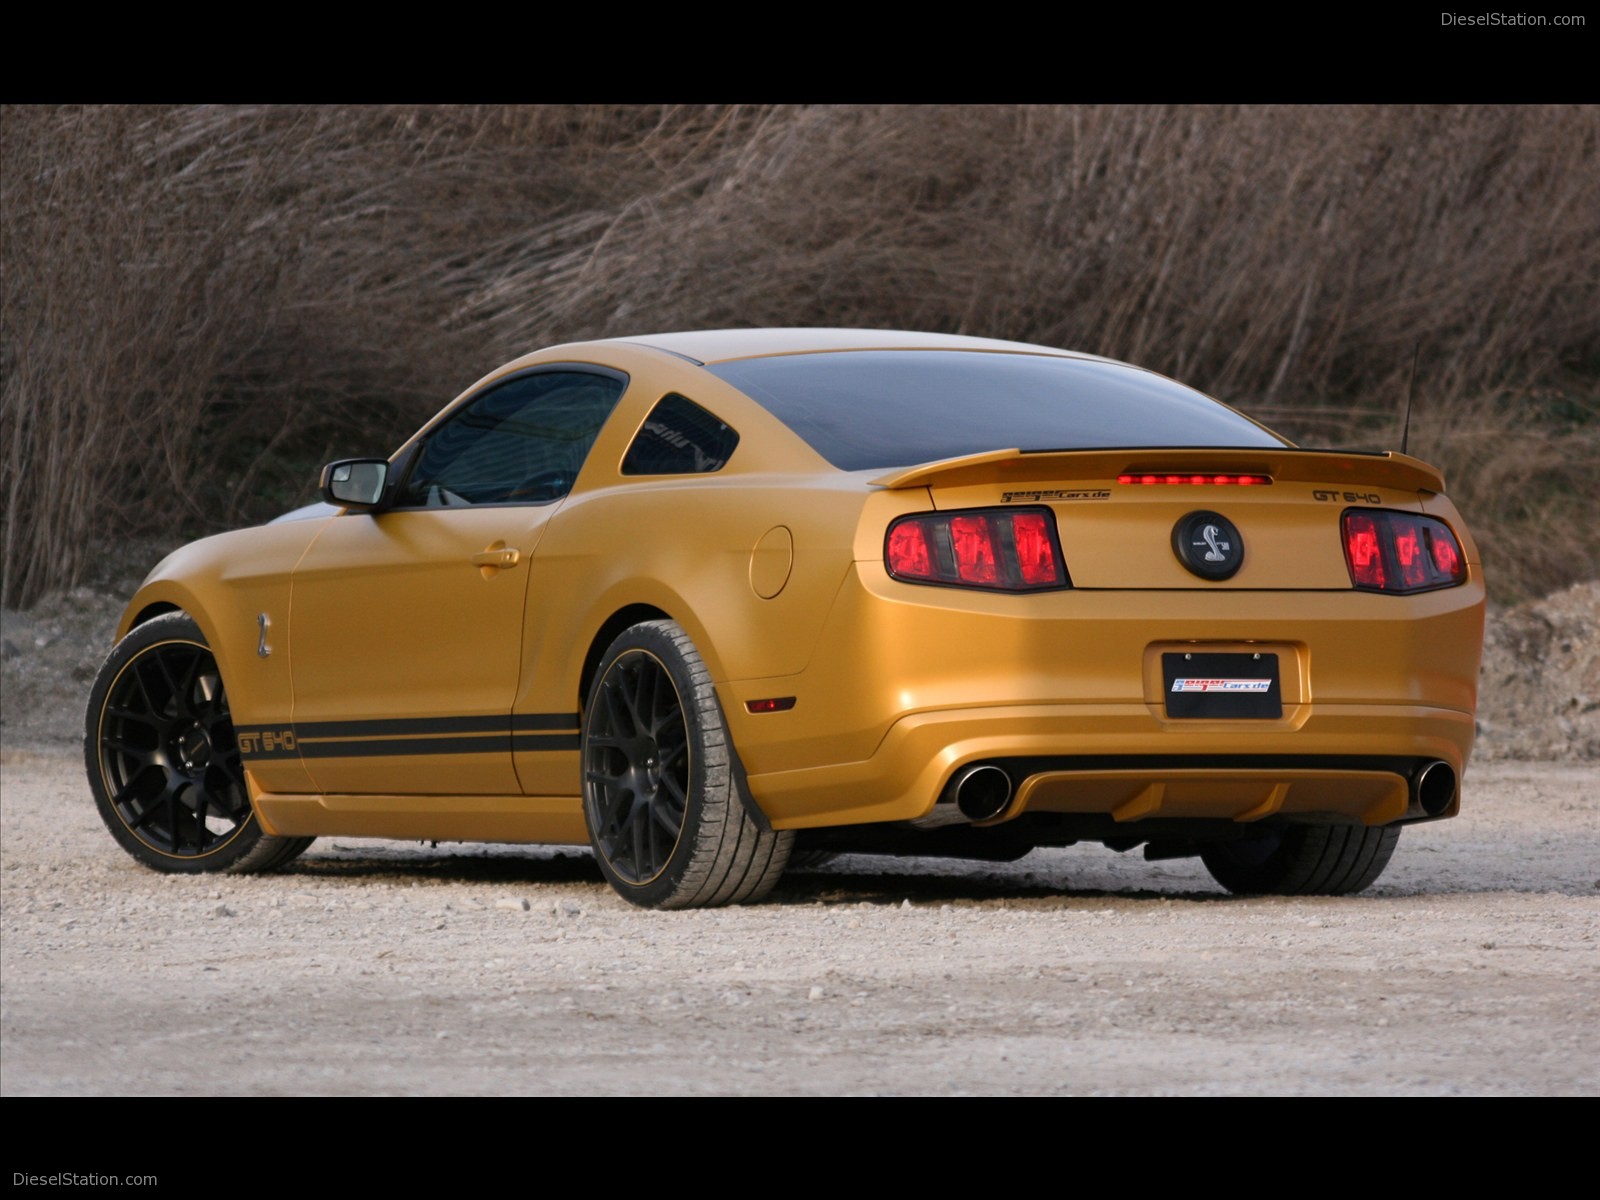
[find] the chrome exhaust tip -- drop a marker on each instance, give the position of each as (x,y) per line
(1433,788)
(981,792)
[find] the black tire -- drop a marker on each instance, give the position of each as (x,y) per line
(162,759)
(662,801)
(1303,860)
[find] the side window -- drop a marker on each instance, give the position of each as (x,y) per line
(521,442)
(679,438)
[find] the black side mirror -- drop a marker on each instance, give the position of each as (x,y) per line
(355,482)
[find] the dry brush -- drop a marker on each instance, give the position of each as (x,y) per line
(200,304)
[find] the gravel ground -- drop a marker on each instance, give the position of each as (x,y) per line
(1471,967)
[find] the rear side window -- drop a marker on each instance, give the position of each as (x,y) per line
(679,438)
(896,408)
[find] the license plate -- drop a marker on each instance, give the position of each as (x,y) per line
(1222,685)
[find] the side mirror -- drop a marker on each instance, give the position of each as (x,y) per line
(355,482)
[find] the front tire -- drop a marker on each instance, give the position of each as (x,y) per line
(1303,860)
(163,761)
(665,812)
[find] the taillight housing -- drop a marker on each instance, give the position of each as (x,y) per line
(1390,551)
(996,549)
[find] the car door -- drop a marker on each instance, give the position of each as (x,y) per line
(405,627)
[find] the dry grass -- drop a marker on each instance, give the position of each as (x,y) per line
(201,304)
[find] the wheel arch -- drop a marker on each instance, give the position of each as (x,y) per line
(610,629)
(150,611)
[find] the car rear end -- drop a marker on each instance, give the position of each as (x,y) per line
(1135,644)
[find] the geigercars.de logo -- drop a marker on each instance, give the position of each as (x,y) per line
(1221,685)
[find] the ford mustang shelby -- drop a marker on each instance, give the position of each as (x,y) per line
(699,599)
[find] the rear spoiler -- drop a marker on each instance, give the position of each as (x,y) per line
(1338,468)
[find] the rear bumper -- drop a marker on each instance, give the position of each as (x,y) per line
(1352,761)
(910,684)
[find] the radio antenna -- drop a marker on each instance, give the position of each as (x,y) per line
(1405,430)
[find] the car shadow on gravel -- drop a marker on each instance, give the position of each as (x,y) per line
(825,886)
(345,862)
(892,889)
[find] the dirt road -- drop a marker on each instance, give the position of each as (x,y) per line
(1472,966)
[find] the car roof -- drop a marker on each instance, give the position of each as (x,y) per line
(724,345)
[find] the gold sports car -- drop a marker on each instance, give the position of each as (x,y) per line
(704,600)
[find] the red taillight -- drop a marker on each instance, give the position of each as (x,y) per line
(1400,552)
(1408,551)
(1363,551)
(998,549)
(974,547)
(1036,549)
(1446,554)
(907,552)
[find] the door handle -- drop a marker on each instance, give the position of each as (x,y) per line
(496,558)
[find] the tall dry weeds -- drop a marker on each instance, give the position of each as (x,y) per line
(202,303)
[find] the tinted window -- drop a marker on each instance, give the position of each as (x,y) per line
(679,438)
(894,408)
(522,441)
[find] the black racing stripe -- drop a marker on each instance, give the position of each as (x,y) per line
(411,736)
(407,747)
(397,726)
(414,726)
(530,721)
(557,741)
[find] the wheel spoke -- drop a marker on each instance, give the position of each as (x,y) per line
(167,803)
(128,714)
(618,708)
(151,706)
(632,698)
(175,696)
(232,766)
(124,794)
(186,688)
(653,836)
(612,815)
(235,804)
(650,700)
(672,787)
(141,754)
(638,830)
(667,816)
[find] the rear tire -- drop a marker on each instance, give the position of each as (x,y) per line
(665,813)
(1303,860)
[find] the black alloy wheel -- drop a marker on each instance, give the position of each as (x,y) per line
(668,818)
(163,760)
(636,767)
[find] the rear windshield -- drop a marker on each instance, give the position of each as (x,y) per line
(896,408)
